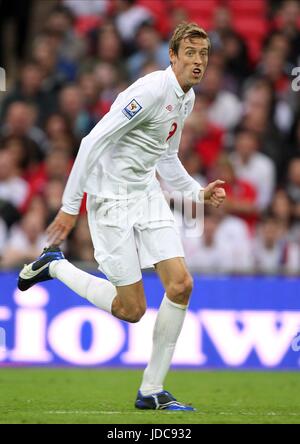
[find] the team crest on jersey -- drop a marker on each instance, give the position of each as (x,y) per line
(132,109)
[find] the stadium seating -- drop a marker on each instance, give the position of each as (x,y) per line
(159,10)
(249,18)
(253,7)
(206,8)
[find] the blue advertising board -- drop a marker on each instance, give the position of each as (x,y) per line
(232,322)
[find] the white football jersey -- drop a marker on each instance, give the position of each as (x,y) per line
(137,137)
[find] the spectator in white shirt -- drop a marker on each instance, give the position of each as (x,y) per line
(207,253)
(254,166)
(234,231)
(26,241)
(273,251)
(129,17)
(224,246)
(86,7)
(13,189)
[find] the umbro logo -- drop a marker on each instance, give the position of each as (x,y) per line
(169,108)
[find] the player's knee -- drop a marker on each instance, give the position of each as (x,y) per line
(189,285)
(136,314)
(179,291)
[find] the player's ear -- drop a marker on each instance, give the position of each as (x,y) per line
(172,56)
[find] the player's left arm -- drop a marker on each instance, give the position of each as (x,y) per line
(173,172)
(214,194)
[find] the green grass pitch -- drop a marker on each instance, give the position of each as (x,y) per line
(106,397)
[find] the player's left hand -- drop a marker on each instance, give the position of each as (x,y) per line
(214,194)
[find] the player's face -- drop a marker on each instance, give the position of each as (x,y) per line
(190,63)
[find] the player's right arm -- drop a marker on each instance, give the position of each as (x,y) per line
(117,122)
(60,228)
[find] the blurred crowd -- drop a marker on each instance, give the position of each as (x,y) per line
(245,127)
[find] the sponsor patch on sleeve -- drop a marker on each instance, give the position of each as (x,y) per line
(131,109)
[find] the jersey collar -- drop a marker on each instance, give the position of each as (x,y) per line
(178,90)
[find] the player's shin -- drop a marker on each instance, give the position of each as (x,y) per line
(99,292)
(167,328)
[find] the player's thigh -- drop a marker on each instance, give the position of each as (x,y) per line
(114,244)
(176,279)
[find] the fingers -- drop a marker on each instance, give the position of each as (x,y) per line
(51,228)
(55,239)
(217,197)
(212,187)
(215,202)
(57,233)
(219,190)
(216,183)
(219,182)
(52,231)
(60,228)
(220,194)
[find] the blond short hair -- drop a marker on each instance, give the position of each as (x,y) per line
(187,31)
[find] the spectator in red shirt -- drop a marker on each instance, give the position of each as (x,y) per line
(241,195)
(208,136)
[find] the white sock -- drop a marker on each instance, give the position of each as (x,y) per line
(99,292)
(167,328)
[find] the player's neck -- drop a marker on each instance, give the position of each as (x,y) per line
(185,88)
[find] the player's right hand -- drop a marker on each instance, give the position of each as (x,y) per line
(60,228)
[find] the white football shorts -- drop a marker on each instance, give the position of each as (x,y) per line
(132,234)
